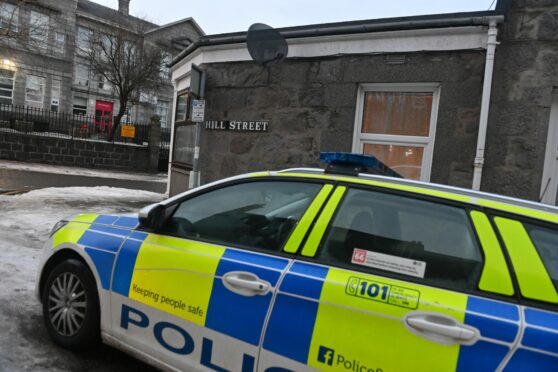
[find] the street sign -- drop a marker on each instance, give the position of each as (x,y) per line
(198,110)
(128,131)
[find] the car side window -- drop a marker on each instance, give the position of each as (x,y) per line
(258,215)
(388,234)
(546,244)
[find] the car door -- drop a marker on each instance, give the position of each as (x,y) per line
(196,294)
(533,250)
(388,281)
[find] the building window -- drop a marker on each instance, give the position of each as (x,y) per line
(182,102)
(162,111)
(80,106)
(38,29)
(165,69)
(81,75)
(107,47)
(55,94)
(6,86)
(84,40)
(9,17)
(34,91)
(396,123)
(59,42)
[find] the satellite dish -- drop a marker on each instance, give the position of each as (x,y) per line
(266,45)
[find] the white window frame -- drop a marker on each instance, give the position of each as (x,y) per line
(3,90)
(42,84)
(81,108)
(60,42)
(359,138)
(39,24)
(159,108)
(55,92)
(84,40)
(9,16)
(82,75)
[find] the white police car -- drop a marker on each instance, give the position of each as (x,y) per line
(304,269)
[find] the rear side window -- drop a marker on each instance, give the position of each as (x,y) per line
(389,234)
(546,244)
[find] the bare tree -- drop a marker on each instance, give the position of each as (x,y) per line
(127,61)
(30,33)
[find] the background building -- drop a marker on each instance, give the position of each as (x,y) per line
(45,67)
(413,91)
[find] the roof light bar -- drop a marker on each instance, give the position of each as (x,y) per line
(353,164)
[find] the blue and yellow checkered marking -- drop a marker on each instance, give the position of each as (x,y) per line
(312,312)
(538,350)
(239,316)
(101,236)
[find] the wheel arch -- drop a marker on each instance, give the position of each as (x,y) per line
(66,253)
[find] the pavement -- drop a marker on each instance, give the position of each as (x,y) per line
(22,176)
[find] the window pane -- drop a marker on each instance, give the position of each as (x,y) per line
(9,16)
(83,40)
(397,113)
(258,215)
(402,232)
(182,107)
(546,243)
(59,42)
(405,160)
(6,85)
(184,144)
(34,91)
(38,28)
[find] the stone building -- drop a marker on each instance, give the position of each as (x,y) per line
(44,69)
(413,91)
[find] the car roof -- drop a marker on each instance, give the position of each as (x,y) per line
(507,204)
(503,203)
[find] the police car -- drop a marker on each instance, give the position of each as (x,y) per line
(306,269)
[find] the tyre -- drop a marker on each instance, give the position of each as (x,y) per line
(71,305)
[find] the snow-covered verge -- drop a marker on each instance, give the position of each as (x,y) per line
(25,221)
(76,171)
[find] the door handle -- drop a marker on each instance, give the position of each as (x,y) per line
(440,328)
(245,283)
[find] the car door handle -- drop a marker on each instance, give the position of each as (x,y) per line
(440,328)
(245,283)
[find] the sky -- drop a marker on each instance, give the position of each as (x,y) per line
(220,16)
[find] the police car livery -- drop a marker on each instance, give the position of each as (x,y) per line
(305,269)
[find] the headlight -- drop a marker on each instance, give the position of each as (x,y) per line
(56,227)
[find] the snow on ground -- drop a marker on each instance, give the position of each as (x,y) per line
(25,221)
(57,169)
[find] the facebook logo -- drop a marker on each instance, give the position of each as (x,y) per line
(325,355)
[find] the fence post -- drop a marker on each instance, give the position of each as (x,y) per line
(154,143)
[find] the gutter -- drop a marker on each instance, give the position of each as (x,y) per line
(485,103)
(407,23)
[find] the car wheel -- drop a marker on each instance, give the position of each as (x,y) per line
(71,305)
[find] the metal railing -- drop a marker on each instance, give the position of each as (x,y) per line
(44,123)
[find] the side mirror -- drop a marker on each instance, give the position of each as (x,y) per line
(152,217)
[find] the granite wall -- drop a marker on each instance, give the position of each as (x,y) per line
(525,75)
(311,106)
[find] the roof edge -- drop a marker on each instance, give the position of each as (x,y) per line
(355,27)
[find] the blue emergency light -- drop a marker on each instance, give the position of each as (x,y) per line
(353,164)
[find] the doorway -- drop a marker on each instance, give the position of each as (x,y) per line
(549,184)
(103,116)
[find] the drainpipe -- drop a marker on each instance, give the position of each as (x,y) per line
(485,104)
